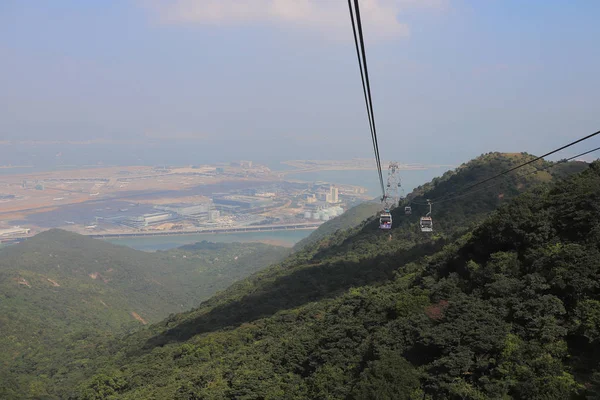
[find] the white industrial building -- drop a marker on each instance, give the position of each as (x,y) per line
(14,231)
(146,219)
(324,214)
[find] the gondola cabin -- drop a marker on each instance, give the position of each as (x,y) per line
(407,210)
(385,220)
(426,224)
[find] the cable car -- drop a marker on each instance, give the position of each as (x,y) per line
(426,224)
(407,210)
(385,220)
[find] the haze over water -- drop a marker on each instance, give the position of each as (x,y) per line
(39,158)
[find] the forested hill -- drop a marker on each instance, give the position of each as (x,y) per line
(493,313)
(60,291)
(453,207)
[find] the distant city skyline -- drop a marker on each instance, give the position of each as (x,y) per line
(154,81)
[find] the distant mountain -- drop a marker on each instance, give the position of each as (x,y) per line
(59,290)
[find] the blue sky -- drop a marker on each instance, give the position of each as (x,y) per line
(256,79)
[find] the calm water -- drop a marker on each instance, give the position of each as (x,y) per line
(369,179)
(283,238)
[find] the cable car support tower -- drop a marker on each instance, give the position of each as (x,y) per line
(392,190)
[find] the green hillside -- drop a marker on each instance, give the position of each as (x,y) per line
(350,316)
(367,314)
(452,208)
(60,291)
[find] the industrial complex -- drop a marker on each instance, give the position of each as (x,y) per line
(123,200)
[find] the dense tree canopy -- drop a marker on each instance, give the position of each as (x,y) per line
(62,293)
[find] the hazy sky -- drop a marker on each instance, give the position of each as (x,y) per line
(450,79)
